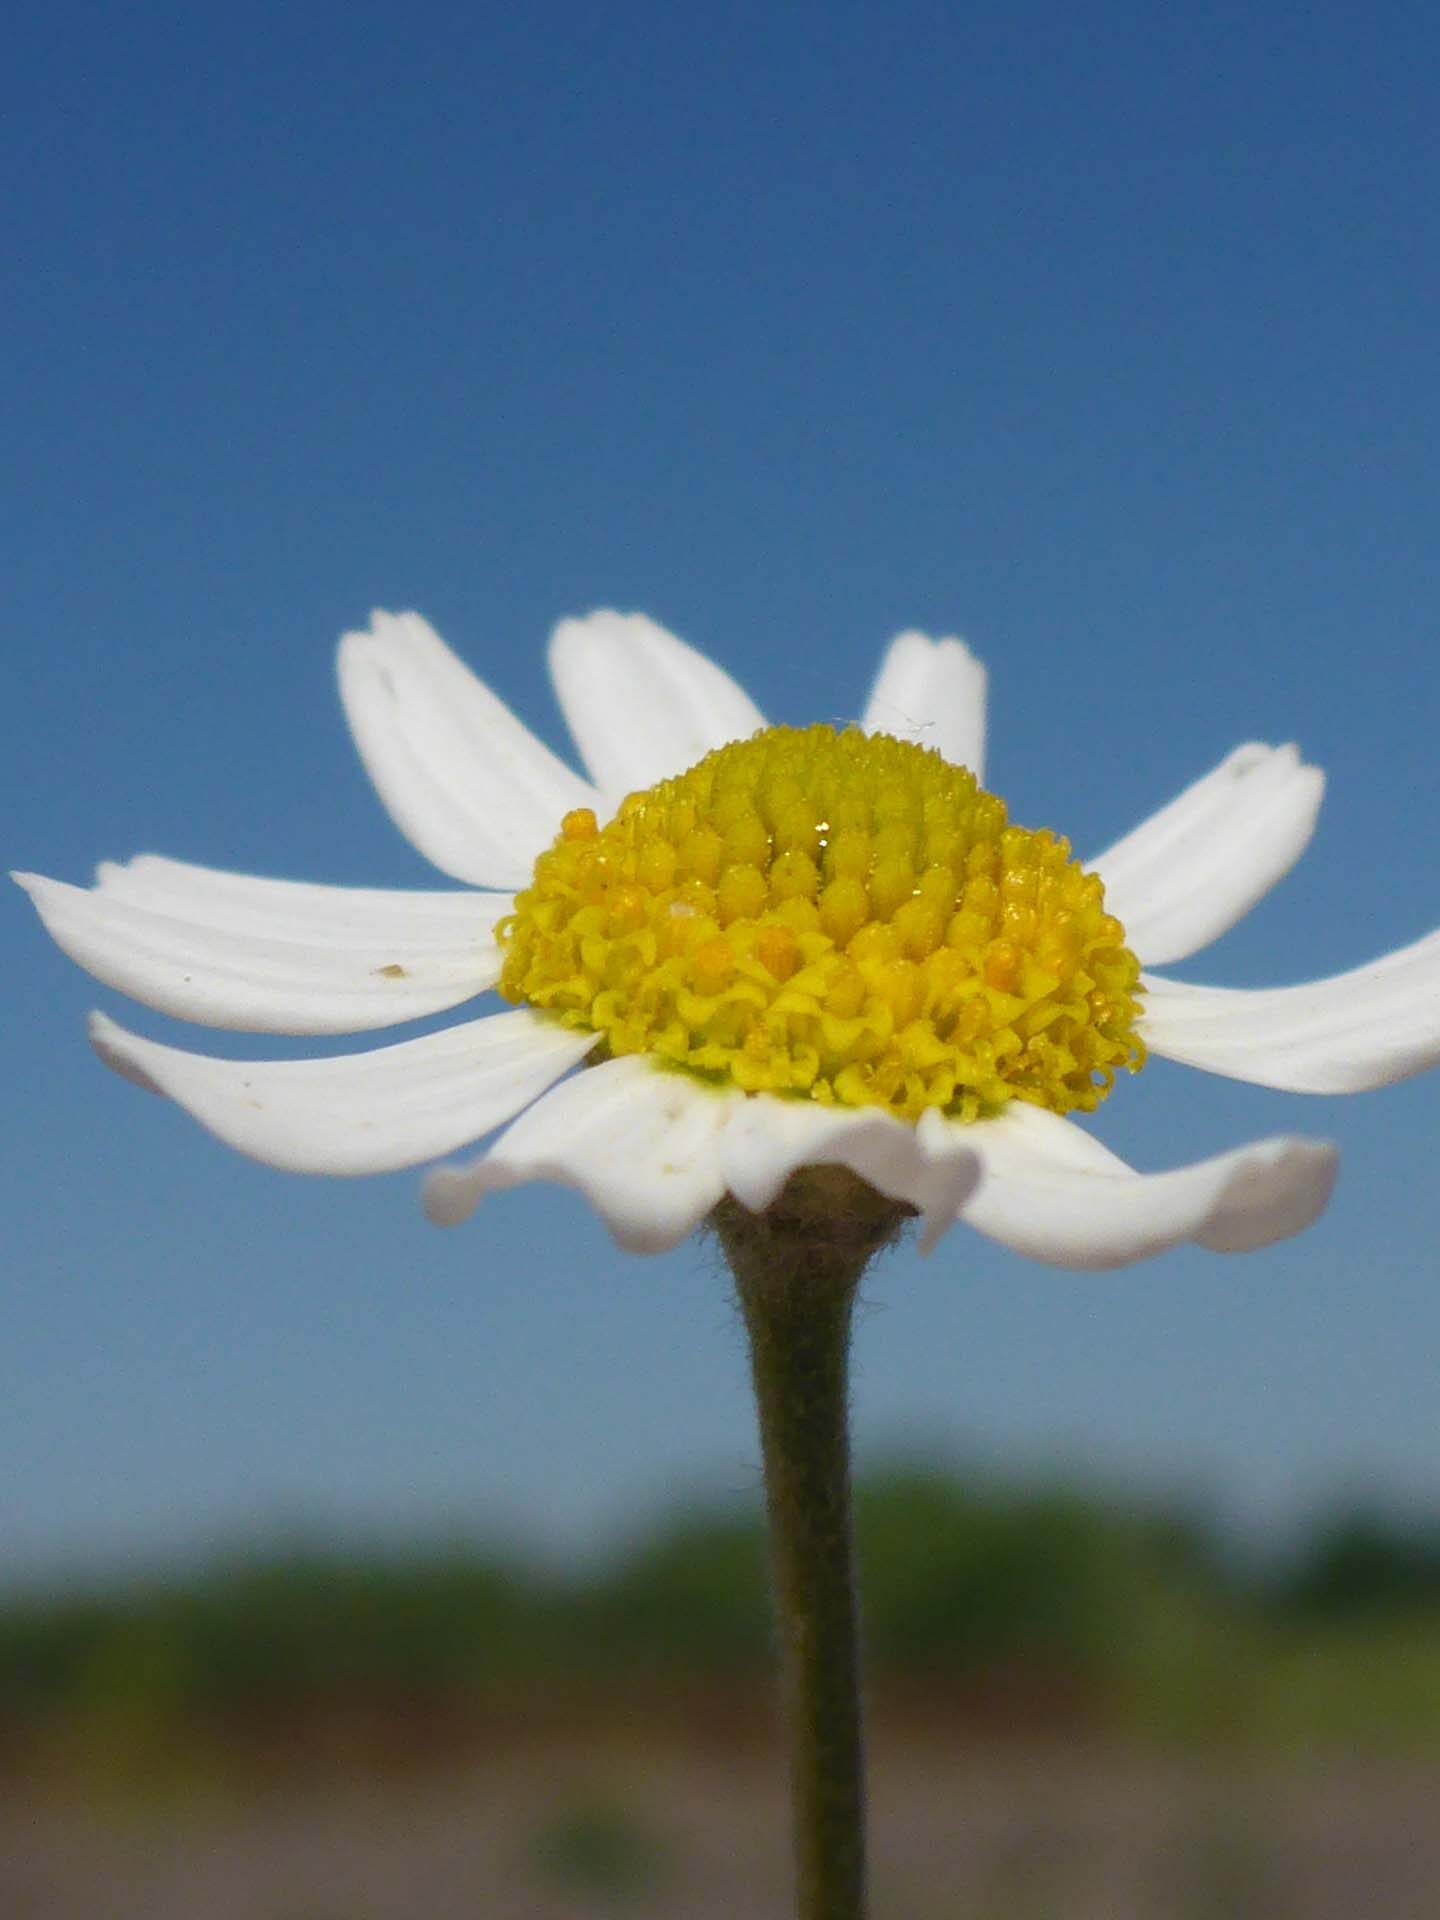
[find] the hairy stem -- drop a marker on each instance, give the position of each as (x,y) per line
(797,1267)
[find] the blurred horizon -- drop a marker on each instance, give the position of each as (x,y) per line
(1050,1591)
(1256,1555)
(1254,1560)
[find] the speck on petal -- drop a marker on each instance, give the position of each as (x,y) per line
(272,956)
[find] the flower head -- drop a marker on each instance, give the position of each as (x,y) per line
(771,948)
(841,916)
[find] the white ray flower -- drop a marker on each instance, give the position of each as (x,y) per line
(813,948)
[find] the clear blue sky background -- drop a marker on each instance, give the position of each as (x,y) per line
(1105,336)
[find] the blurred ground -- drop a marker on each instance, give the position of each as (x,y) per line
(561,1829)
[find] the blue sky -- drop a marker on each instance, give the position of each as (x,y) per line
(1103,336)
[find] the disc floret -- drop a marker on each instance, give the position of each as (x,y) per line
(841,916)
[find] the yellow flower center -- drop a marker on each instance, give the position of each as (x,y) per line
(839,916)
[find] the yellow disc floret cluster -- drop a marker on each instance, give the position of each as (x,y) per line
(839,916)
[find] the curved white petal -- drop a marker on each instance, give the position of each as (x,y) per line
(640,703)
(1367,1028)
(1189,872)
(272,956)
(932,692)
(1052,1192)
(361,1112)
(461,777)
(930,1166)
(642,1145)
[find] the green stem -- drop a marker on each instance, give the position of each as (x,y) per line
(797,1267)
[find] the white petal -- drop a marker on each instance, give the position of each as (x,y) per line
(642,1145)
(930,1166)
(640,703)
(363,1112)
(1189,872)
(272,956)
(1367,1028)
(1051,1191)
(461,777)
(932,692)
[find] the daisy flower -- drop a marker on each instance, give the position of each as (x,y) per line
(769,949)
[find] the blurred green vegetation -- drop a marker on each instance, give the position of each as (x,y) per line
(987,1609)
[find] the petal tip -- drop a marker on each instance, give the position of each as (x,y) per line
(449,1196)
(1278,1189)
(385,634)
(576,628)
(110,1041)
(915,641)
(648,1239)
